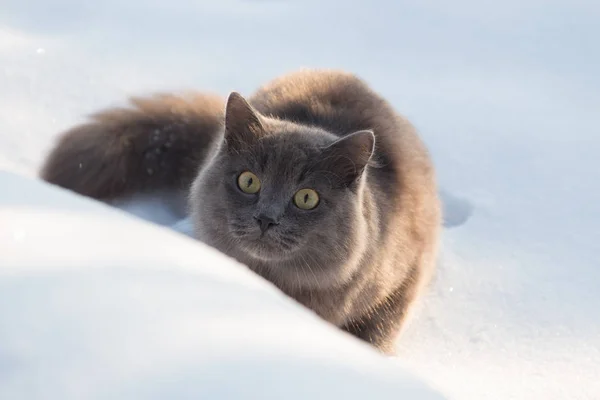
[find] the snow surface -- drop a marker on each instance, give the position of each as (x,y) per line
(505,94)
(96,304)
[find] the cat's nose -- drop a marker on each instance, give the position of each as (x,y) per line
(265,222)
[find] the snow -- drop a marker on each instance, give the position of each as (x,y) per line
(505,94)
(96,304)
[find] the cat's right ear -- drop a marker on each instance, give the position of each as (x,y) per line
(242,123)
(348,156)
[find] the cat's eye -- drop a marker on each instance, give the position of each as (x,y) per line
(248,182)
(306,199)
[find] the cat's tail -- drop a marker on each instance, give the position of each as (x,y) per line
(158,143)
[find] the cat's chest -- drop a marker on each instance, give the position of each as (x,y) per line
(332,306)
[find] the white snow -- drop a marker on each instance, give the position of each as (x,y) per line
(95,304)
(506,95)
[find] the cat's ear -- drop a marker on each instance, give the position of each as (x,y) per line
(348,156)
(242,123)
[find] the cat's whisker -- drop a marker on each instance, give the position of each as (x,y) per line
(307,264)
(288,241)
(238,233)
(292,235)
(238,225)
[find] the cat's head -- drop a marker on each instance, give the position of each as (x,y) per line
(283,195)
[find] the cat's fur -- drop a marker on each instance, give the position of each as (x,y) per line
(359,259)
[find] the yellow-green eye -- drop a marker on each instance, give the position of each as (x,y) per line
(306,199)
(248,182)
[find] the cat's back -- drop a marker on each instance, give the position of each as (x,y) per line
(342,103)
(335,100)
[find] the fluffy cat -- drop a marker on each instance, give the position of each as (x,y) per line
(314,182)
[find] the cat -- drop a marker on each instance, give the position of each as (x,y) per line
(314,182)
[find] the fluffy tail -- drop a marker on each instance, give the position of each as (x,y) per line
(158,143)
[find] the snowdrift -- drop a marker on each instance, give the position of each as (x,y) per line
(97,304)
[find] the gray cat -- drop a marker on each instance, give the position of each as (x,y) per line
(315,183)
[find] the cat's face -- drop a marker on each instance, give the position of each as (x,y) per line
(283,194)
(276,200)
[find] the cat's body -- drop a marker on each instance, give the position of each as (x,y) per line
(293,184)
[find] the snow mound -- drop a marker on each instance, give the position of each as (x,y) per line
(96,304)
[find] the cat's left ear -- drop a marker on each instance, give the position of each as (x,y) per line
(242,123)
(349,155)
